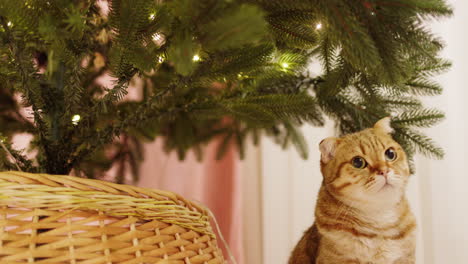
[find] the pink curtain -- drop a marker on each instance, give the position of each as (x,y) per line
(211,182)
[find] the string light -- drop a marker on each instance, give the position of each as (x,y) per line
(76,119)
(9,23)
(157,37)
(242,76)
(160,59)
(196,58)
(152,16)
(285,65)
(318,26)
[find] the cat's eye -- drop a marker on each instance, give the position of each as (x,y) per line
(359,162)
(390,154)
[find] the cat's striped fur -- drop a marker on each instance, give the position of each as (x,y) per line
(362,215)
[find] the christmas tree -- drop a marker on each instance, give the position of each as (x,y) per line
(205,69)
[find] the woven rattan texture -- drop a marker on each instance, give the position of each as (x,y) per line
(63,219)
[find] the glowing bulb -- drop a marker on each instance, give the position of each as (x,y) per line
(157,37)
(318,26)
(9,23)
(285,65)
(152,16)
(160,59)
(196,58)
(76,119)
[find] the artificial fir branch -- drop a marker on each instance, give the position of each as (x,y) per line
(211,69)
(20,162)
(419,118)
(9,153)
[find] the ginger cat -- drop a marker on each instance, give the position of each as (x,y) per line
(362,215)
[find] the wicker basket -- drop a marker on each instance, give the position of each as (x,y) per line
(63,219)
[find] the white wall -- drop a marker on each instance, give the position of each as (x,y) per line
(290,187)
(438,193)
(444,183)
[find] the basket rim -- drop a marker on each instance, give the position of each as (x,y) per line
(39,190)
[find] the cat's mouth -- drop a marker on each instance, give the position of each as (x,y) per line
(386,186)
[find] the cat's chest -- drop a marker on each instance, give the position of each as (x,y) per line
(376,249)
(372,250)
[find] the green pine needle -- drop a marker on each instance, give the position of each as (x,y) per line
(199,70)
(421,143)
(419,118)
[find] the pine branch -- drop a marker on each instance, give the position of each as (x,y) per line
(240,26)
(234,61)
(419,142)
(327,53)
(401,103)
(212,69)
(269,108)
(419,118)
(20,162)
(93,140)
(297,139)
(422,87)
(295,34)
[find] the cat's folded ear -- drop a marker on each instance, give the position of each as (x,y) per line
(383,125)
(328,148)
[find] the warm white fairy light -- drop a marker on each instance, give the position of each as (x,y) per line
(285,65)
(157,37)
(76,119)
(9,23)
(196,58)
(318,26)
(242,76)
(152,16)
(160,59)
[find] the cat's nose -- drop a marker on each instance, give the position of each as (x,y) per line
(382,171)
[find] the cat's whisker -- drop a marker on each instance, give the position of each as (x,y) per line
(375,186)
(371,185)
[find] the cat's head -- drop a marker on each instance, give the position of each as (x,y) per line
(365,167)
